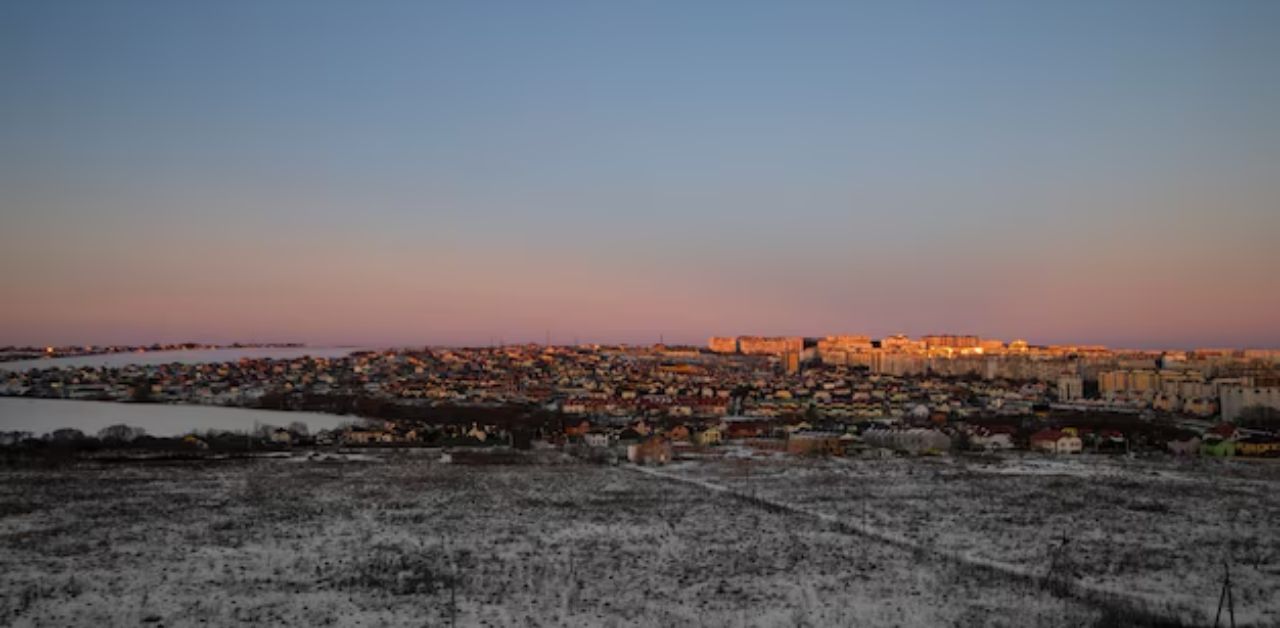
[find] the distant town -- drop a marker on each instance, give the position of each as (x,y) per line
(14,353)
(834,395)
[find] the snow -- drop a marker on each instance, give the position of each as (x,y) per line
(40,416)
(1151,534)
(391,538)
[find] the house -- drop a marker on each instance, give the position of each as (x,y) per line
(814,443)
(797,426)
(281,436)
(991,440)
(577,429)
(1186,446)
(596,439)
(1200,406)
(1224,431)
(1268,446)
(746,429)
(629,437)
(1111,441)
(1217,447)
(358,436)
(1220,441)
(1046,440)
(191,440)
(678,433)
(708,436)
(478,433)
(652,450)
(1056,441)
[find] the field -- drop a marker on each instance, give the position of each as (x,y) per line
(400,538)
(1153,534)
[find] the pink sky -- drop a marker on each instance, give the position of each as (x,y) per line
(462,173)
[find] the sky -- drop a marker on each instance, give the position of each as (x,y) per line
(475,172)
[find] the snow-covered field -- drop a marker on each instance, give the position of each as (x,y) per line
(1156,532)
(192,356)
(398,538)
(41,416)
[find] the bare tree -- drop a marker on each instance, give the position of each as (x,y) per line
(66,436)
(121,433)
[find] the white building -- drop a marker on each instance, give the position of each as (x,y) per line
(1236,398)
(997,441)
(1070,388)
(1055,441)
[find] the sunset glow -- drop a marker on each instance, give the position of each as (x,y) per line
(445,173)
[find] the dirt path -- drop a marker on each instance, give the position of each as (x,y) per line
(1132,610)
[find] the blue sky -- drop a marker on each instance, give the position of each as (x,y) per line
(1075,171)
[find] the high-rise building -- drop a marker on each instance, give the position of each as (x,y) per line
(846,342)
(1265,355)
(723,344)
(1070,388)
(900,342)
(770,345)
(792,361)
(949,341)
(1128,383)
(1237,399)
(1143,381)
(839,350)
(1113,383)
(1184,384)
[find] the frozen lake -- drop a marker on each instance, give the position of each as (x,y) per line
(45,415)
(183,357)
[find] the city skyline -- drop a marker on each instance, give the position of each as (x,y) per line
(1093,173)
(936,338)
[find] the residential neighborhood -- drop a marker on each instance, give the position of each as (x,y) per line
(843,395)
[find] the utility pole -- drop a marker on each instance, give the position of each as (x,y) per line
(1227,597)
